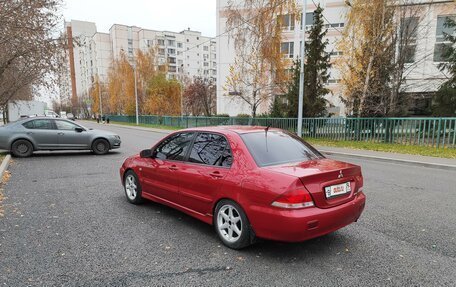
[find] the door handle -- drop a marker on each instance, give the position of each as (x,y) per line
(216,174)
(29,133)
(173,167)
(60,134)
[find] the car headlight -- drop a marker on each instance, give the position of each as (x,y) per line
(116,137)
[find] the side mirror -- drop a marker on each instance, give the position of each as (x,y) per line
(147,153)
(78,130)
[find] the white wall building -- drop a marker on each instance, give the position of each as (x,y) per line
(423,75)
(187,53)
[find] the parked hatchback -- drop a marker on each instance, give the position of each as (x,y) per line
(25,136)
(248,182)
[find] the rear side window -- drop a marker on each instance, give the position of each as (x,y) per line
(41,124)
(275,147)
(211,149)
(175,147)
(29,125)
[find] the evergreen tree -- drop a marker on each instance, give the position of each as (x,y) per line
(276,109)
(315,73)
(445,101)
(292,94)
(316,68)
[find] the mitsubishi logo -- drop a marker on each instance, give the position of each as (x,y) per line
(340,174)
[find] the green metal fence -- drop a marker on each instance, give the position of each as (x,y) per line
(436,132)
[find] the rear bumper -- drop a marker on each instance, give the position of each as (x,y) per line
(303,224)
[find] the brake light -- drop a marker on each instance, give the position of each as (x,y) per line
(298,198)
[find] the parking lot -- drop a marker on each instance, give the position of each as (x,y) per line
(67,223)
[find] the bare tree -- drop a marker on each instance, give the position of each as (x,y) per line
(380,51)
(259,68)
(27,45)
(200,97)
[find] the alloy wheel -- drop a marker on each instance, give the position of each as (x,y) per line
(131,187)
(229,223)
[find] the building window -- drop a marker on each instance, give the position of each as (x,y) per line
(171,60)
(171,43)
(187,40)
(408,38)
(442,46)
(442,28)
(161,42)
(172,69)
(206,64)
(287,49)
(179,45)
(205,48)
(287,22)
(440,51)
(172,51)
(309,19)
(161,51)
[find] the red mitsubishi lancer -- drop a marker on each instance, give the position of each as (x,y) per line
(249,182)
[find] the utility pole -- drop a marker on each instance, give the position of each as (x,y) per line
(301,78)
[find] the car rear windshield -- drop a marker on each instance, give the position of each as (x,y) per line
(276,147)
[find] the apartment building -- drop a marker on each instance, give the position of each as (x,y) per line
(186,53)
(423,76)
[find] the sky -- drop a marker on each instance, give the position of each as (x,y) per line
(170,15)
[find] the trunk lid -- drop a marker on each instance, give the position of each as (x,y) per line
(315,175)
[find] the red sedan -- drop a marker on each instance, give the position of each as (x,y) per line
(248,182)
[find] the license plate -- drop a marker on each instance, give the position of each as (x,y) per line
(338,189)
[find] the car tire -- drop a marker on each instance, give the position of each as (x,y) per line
(100,147)
(22,148)
(132,187)
(232,225)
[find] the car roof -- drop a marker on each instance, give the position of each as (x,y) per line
(236,129)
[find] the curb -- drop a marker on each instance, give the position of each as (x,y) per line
(4,166)
(388,159)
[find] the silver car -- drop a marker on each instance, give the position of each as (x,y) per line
(44,133)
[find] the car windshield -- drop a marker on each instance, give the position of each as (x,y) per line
(276,147)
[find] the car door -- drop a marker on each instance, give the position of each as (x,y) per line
(161,173)
(202,175)
(69,138)
(43,132)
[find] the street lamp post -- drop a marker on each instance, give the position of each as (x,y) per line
(99,97)
(136,88)
(301,77)
(136,94)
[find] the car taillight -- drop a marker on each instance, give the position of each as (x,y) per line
(298,198)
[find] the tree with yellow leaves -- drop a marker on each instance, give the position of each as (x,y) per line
(379,50)
(156,94)
(258,72)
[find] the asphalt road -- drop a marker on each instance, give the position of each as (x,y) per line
(67,223)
